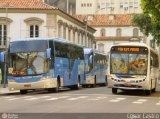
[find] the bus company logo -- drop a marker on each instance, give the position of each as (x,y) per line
(4,116)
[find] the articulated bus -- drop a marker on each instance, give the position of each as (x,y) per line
(133,66)
(95,67)
(44,63)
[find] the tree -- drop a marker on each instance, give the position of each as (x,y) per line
(149,20)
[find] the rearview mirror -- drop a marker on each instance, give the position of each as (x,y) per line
(91,59)
(48,53)
(2,57)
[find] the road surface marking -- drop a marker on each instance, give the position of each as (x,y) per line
(120,98)
(47,96)
(52,99)
(9,97)
(56,98)
(31,99)
(13,98)
(80,97)
(140,101)
(114,100)
(98,98)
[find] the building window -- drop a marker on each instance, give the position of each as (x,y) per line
(101,47)
(119,32)
(34,31)
(4,25)
(103,32)
(135,32)
(3,34)
(33,25)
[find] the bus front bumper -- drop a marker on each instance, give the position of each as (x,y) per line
(42,84)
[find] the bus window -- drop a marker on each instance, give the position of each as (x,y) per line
(138,64)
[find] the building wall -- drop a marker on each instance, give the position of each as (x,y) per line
(110,37)
(48,27)
(18,28)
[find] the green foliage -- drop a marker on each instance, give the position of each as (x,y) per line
(149,20)
(144,23)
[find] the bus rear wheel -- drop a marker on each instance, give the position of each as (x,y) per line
(148,92)
(23,91)
(95,83)
(114,90)
(56,89)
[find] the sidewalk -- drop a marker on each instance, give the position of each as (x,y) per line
(6,90)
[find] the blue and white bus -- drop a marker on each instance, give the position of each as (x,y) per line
(44,63)
(95,67)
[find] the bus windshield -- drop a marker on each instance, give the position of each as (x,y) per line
(31,63)
(129,63)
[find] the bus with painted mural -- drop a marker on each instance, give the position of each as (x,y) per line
(133,66)
(44,63)
(95,67)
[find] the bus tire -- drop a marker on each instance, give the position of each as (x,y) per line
(95,83)
(105,83)
(56,89)
(77,87)
(114,90)
(23,91)
(148,92)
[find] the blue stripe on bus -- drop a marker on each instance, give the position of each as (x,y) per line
(26,79)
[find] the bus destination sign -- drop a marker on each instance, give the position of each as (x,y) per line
(128,49)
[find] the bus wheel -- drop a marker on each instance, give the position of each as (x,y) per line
(57,87)
(114,90)
(147,92)
(105,83)
(77,87)
(23,91)
(94,85)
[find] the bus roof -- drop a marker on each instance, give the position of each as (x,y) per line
(34,44)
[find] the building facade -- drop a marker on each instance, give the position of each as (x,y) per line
(113,29)
(33,18)
(108,6)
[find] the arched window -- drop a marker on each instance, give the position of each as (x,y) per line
(103,32)
(101,47)
(33,25)
(119,32)
(135,32)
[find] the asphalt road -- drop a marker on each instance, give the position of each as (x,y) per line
(86,100)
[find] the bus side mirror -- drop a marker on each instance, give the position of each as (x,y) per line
(48,53)
(2,56)
(91,59)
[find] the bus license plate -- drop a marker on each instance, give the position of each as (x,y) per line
(27,85)
(127,84)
